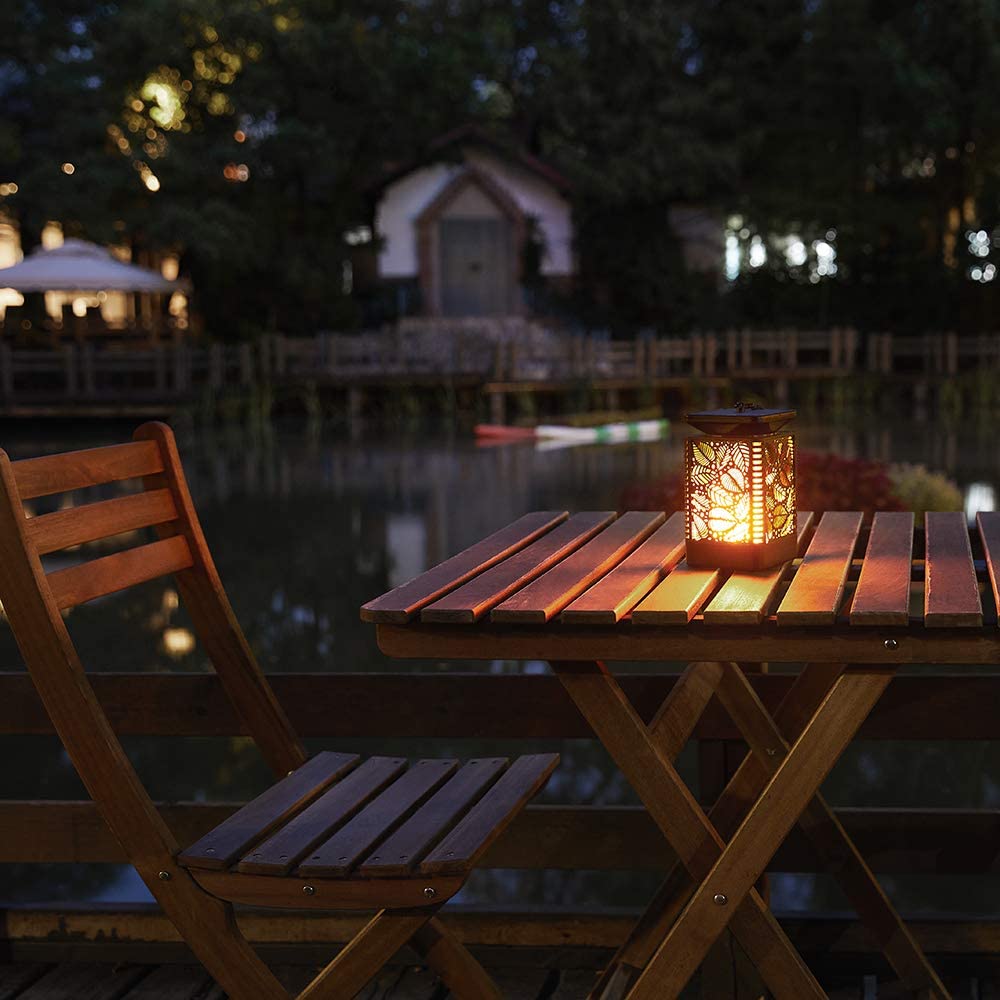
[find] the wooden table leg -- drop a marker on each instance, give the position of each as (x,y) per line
(791,788)
(793,712)
(831,841)
(669,801)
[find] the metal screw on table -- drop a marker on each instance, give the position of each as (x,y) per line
(430,892)
(890,644)
(720,899)
(771,751)
(309,890)
(164,876)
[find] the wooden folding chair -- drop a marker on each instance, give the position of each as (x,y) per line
(334,833)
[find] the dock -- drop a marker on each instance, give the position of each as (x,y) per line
(354,372)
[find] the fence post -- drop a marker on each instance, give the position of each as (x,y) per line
(180,368)
(215,363)
(69,366)
(746,349)
(246,365)
(160,361)
(697,354)
(6,372)
(87,359)
(280,354)
(711,347)
(791,349)
(951,352)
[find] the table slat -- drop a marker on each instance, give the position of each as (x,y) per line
(613,596)
(400,604)
(813,597)
(988,523)
(744,599)
(882,596)
(472,600)
(550,593)
(951,591)
(678,598)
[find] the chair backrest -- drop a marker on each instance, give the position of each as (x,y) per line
(34,600)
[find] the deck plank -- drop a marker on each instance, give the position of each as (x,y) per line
(814,595)
(86,982)
(174,982)
(16,977)
(951,590)
(745,598)
(882,596)
(473,600)
(400,604)
(543,599)
(613,597)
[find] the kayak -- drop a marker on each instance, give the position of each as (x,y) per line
(636,430)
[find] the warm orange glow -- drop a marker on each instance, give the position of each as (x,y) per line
(178,642)
(740,490)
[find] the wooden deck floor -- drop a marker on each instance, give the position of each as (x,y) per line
(130,981)
(133,981)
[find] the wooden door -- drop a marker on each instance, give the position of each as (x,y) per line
(474,258)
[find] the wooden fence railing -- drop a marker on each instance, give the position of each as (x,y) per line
(180,370)
(464,706)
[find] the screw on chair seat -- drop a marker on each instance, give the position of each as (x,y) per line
(342,830)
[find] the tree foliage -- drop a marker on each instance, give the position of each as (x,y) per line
(248,136)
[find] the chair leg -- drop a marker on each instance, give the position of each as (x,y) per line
(209,927)
(362,957)
(453,962)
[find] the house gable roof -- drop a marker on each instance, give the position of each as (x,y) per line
(473,135)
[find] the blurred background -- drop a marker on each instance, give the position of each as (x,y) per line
(326,240)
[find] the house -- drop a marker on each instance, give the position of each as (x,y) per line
(467,229)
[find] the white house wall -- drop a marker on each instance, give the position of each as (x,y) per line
(403,201)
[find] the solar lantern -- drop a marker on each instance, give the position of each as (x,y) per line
(739,488)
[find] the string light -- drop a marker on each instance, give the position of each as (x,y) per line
(68,168)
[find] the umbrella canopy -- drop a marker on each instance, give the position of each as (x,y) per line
(79,266)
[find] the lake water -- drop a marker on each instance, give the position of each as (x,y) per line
(306,525)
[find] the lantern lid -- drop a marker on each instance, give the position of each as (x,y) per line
(741,420)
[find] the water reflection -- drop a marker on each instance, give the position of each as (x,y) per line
(306,527)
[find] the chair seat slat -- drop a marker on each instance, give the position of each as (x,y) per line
(338,855)
(99,577)
(951,590)
(405,848)
(551,592)
(744,599)
(814,595)
(489,817)
(78,525)
(400,604)
(231,838)
(615,594)
(470,602)
(39,477)
(882,596)
(283,849)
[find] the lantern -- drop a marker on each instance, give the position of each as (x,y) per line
(739,488)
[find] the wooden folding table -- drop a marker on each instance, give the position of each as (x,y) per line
(856,603)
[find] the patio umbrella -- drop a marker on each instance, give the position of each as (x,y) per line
(79,266)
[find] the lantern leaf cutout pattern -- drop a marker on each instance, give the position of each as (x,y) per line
(740,494)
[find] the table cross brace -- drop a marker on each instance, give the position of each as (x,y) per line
(776,786)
